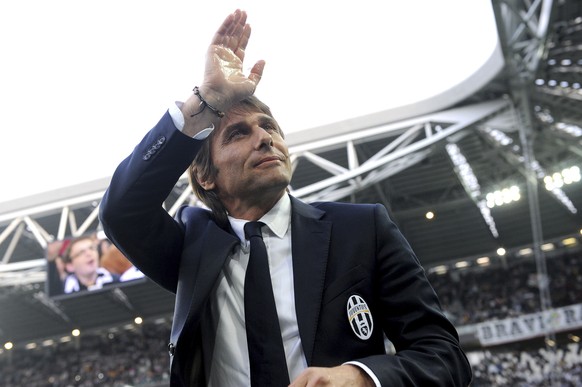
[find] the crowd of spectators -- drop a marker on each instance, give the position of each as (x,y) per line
(136,357)
(528,368)
(474,295)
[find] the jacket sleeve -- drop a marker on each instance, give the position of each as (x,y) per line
(428,352)
(131,210)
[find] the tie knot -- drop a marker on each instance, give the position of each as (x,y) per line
(253,229)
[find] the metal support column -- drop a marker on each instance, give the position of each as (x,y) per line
(526,135)
(523,29)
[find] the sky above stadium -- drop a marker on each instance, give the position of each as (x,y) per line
(81,81)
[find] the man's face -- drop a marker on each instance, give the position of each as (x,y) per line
(251,158)
(84,258)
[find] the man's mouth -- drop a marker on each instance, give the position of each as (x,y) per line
(268,160)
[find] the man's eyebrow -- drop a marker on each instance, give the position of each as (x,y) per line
(269,120)
(263,119)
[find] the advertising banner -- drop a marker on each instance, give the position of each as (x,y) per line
(529,325)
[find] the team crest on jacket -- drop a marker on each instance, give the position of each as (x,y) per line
(360,317)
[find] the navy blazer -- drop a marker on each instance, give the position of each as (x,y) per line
(356,278)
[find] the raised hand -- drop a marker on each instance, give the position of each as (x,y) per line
(224,80)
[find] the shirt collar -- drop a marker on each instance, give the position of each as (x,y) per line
(277,219)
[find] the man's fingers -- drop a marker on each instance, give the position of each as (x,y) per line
(228,26)
(237,27)
(344,375)
(311,377)
(233,31)
(223,29)
(257,72)
(243,41)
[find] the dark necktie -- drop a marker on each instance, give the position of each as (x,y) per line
(266,352)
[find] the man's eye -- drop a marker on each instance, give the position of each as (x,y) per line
(234,134)
(270,127)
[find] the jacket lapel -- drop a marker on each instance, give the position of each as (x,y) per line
(218,245)
(200,276)
(310,247)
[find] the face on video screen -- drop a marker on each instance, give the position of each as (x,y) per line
(86,263)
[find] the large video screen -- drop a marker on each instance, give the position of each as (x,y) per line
(86,263)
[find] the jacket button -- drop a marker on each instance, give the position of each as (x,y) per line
(171,349)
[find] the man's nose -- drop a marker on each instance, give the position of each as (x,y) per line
(263,137)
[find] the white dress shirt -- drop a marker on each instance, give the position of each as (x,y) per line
(229,365)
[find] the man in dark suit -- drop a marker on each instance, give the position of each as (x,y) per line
(342,275)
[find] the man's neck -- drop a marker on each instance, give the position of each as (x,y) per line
(252,210)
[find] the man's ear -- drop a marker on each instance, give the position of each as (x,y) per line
(206,184)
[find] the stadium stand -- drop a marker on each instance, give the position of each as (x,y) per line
(475,295)
(131,356)
(136,355)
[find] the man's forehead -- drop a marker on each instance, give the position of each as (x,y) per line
(81,242)
(244,117)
